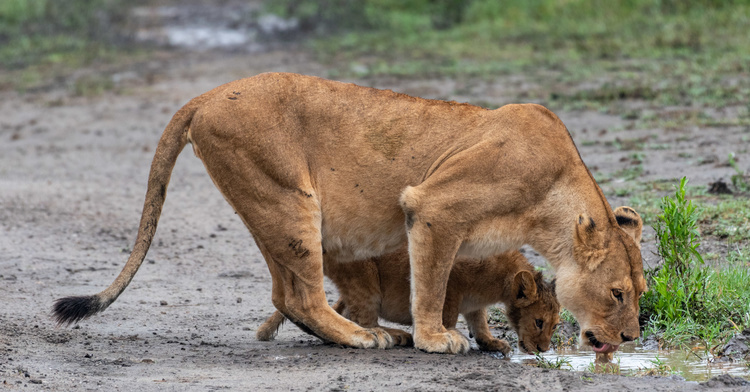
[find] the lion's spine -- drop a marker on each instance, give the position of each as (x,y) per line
(70,310)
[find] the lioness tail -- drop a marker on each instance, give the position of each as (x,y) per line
(70,310)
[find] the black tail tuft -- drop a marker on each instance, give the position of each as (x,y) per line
(70,310)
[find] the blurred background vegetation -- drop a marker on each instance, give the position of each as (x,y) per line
(52,31)
(667,51)
(440,36)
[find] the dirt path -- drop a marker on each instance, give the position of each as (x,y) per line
(72,179)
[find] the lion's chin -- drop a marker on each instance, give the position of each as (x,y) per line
(600,347)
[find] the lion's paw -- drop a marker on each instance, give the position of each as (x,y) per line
(400,337)
(450,342)
(372,338)
(495,344)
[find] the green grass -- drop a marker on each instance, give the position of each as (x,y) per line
(496,315)
(557,363)
(740,179)
(43,39)
(728,219)
(688,300)
(659,368)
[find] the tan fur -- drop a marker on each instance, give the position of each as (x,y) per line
(379,287)
(313,166)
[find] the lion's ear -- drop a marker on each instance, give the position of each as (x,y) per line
(524,286)
(588,243)
(631,222)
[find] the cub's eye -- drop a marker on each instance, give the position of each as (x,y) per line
(539,323)
(617,294)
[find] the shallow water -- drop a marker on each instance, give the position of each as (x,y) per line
(697,366)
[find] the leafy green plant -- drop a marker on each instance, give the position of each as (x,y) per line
(678,288)
(677,231)
(688,300)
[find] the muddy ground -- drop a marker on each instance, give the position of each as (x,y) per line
(72,178)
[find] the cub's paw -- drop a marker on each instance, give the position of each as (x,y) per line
(450,342)
(494,344)
(372,338)
(400,338)
(268,330)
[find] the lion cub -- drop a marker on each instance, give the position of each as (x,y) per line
(379,287)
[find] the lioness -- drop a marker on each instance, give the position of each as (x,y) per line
(313,166)
(379,287)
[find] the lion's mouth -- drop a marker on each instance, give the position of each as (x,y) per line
(598,346)
(522,345)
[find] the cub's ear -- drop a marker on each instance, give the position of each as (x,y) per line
(589,248)
(631,222)
(525,287)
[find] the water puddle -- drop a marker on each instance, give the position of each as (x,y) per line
(239,27)
(635,360)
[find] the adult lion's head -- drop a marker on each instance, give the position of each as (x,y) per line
(603,286)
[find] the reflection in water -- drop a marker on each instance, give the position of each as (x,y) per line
(698,366)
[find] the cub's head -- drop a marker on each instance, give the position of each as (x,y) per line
(604,283)
(535,312)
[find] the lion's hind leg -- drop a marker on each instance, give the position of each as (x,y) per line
(294,255)
(276,201)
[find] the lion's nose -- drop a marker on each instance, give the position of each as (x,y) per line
(626,338)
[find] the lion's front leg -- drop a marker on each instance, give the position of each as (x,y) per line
(432,249)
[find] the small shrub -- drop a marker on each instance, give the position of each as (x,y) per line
(687,300)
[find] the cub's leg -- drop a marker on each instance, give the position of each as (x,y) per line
(478,327)
(268,330)
(340,307)
(358,283)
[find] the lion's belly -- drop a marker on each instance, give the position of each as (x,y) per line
(352,235)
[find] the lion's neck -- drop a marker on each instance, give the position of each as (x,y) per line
(553,235)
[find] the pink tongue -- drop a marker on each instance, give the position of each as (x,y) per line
(606,348)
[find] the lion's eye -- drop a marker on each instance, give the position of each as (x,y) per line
(618,294)
(539,323)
